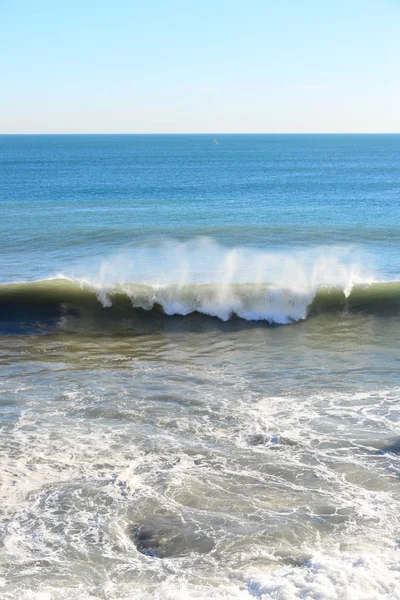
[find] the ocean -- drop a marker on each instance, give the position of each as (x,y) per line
(200,367)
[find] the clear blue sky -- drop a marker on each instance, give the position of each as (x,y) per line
(199,66)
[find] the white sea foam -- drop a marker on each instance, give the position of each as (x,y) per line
(323,577)
(203,276)
(76,482)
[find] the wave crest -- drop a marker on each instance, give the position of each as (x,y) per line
(57,298)
(202,277)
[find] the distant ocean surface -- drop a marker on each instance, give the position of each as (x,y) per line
(200,367)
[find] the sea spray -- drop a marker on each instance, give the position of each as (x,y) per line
(201,275)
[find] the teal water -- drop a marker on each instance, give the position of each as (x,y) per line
(199,367)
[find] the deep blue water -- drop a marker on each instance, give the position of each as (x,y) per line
(69,199)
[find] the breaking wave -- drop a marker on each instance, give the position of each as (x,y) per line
(200,277)
(251,302)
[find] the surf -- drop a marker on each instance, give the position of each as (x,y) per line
(203,278)
(63,297)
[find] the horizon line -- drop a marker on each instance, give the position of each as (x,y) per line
(211,133)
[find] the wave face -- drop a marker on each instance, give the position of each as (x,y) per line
(56,298)
(206,279)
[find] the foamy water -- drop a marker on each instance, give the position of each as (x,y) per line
(199,474)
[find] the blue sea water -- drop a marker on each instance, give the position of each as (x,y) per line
(70,199)
(199,367)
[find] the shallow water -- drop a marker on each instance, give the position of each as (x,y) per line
(202,463)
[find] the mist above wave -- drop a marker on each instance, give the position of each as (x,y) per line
(203,276)
(202,260)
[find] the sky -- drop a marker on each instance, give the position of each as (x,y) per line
(205,66)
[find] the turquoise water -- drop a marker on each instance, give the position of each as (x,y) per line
(199,367)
